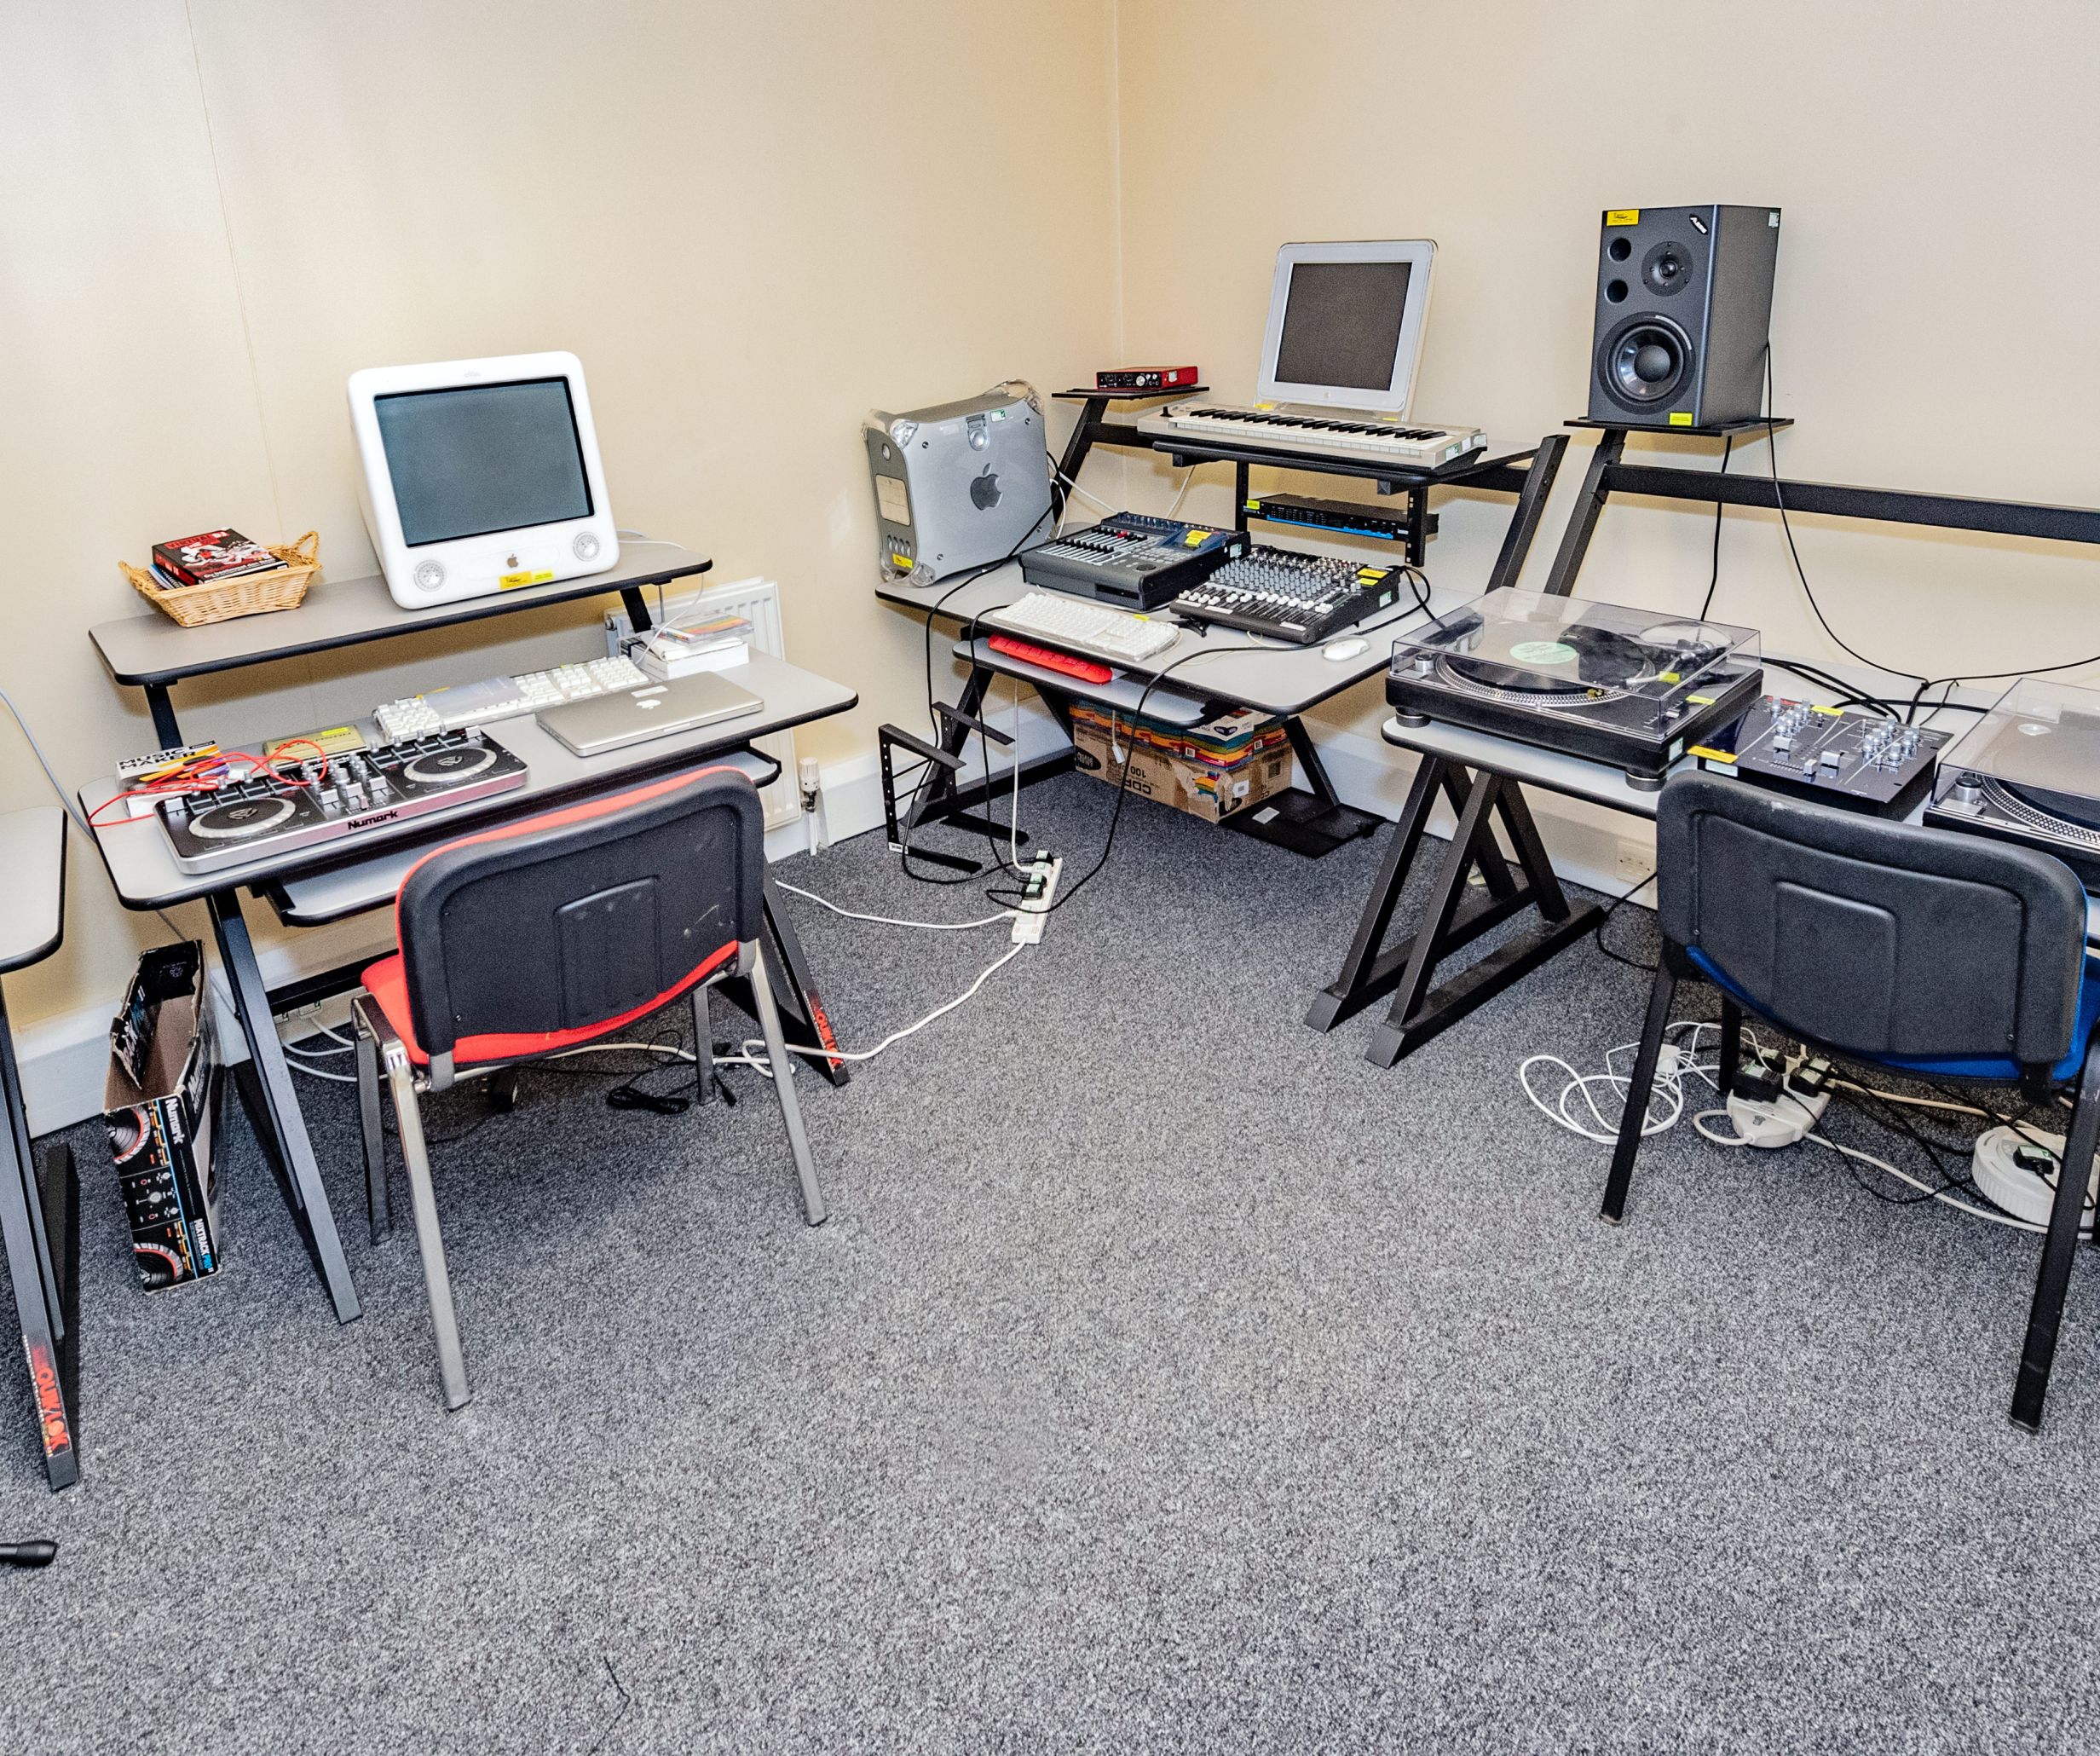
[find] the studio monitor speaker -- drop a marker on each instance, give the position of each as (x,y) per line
(1684,308)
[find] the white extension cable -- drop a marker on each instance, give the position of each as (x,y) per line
(752,1049)
(1674,1063)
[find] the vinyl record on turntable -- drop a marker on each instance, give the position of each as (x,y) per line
(1579,660)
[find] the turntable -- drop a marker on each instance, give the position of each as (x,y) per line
(1628,687)
(2029,771)
(274,808)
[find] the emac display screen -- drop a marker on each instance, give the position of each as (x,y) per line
(492,456)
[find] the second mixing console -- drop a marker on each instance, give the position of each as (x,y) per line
(1303,598)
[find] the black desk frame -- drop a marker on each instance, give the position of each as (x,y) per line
(1313,822)
(264,1082)
(1418,1013)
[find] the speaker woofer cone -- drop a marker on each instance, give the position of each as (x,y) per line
(1645,362)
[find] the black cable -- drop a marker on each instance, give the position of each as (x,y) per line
(1772,457)
(1611,909)
(1418,582)
(1713,579)
(1814,674)
(1990,677)
(1122,785)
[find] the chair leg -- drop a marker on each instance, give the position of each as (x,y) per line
(1638,1089)
(451,1364)
(783,1066)
(378,1214)
(1731,1044)
(703,1045)
(2066,1213)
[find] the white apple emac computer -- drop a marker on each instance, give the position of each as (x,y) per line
(480,476)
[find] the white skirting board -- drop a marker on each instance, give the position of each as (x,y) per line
(64,1059)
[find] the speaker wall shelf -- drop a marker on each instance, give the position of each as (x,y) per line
(1725,430)
(1609,473)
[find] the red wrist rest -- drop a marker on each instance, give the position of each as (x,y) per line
(1087,670)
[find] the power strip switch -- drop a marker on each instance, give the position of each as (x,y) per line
(1034,908)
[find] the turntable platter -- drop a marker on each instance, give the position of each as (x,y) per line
(239,818)
(2070,807)
(442,767)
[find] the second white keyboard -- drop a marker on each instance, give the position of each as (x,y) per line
(1091,627)
(504,698)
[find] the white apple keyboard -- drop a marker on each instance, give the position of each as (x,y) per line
(465,704)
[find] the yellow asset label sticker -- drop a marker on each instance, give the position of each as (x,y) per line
(901,563)
(1623,217)
(1700,700)
(332,740)
(1834,713)
(528,576)
(1710,754)
(1682,419)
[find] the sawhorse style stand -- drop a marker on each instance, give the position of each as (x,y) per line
(1480,799)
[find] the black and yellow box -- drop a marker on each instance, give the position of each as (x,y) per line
(158,1104)
(1210,771)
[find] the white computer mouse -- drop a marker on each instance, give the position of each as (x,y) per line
(1341,651)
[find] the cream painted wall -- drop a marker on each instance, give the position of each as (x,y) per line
(1933,325)
(752,222)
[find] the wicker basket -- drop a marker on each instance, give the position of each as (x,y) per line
(220,601)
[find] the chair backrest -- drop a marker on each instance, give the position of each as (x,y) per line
(1870,936)
(577,918)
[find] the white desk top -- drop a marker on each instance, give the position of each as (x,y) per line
(1272,676)
(32,879)
(141,864)
(150,648)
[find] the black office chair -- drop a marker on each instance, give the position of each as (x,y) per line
(545,933)
(1914,949)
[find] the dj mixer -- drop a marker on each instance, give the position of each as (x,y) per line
(269,807)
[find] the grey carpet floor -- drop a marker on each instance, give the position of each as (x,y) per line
(1168,1378)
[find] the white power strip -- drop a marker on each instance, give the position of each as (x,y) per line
(2027,1191)
(1034,908)
(1783,1120)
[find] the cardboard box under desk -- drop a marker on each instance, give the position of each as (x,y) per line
(1210,770)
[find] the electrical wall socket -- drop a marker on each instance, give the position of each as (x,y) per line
(1636,861)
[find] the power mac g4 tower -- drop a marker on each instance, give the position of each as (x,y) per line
(1684,309)
(958,485)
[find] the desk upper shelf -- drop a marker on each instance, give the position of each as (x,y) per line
(150,651)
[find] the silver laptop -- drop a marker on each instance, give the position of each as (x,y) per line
(611,721)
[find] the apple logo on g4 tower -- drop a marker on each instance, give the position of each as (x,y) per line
(984,490)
